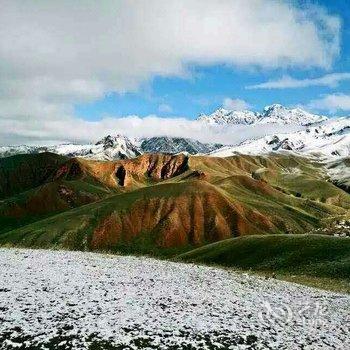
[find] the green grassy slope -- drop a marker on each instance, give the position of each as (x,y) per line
(316,259)
(25,171)
(207,200)
(47,200)
(30,189)
(176,208)
(165,206)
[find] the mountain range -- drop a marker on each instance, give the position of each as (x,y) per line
(117,147)
(274,114)
(316,135)
(326,139)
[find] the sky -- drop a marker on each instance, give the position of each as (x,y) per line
(75,71)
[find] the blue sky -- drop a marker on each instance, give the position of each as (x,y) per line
(75,71)
(207,87)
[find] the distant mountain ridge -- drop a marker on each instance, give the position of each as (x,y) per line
(274,114)
(317,135)
(108,148)
(330,138)
(223,116)
(118,147)
(176,145)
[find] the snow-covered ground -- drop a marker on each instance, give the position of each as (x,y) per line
(66,300)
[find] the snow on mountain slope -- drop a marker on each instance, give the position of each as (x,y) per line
(7,151)
(176,145)
(226,117)
(274,114)
(109,148)
(117,147)
(339,172)
(302,132)
(329,138)
(277,113)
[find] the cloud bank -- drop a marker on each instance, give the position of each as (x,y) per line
(83,131)
(55,54)
(235,104)
(286,82)
(331,103)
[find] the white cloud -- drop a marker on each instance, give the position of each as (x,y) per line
(235,104)
(165,108)
(330,80)
(332,103)
(83,131)
(54,54)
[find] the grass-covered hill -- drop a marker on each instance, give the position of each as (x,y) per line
(23,172)
(159,203)
(36,186)
(313,259)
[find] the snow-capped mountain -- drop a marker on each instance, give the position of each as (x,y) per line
(7,151)
(109,148)
(117,147)
(274,114)
(315,136)
(277,113)
(328,138)
(176,145)
(226,117)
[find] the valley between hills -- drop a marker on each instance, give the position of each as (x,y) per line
(279,215)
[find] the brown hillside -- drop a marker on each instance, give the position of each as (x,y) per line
(197,215)
(126,173)
(48,198)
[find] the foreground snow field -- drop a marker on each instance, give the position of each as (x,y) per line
(64,300)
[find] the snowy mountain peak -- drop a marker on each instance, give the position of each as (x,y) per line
(274,106)
(313,135)
(277,113)
(112,141)
(163,144)
(223,116)
(116,147)
(273,114)
(330,138)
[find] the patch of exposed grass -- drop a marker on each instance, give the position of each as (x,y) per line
(316,260)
